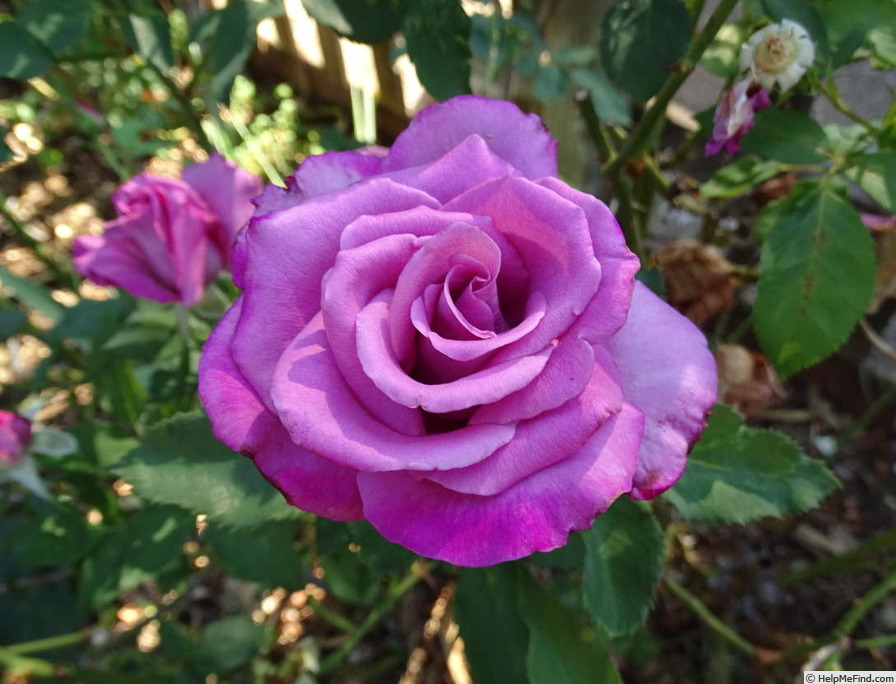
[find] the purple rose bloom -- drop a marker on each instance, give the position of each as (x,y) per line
(734,115)
(15,434)
(448,341)
(172,237)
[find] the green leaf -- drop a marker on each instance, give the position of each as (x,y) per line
(550,83)
(122,394)
(180,462)
(805,14)
(848,23)
(364,21)
(736,474)
(785,136)
(882,41)
(816,276)
(562,649)
(6,152)
(12,322)
(623,563)
(640,40)
(58,24)
(56,540)
(610,104)
(150,37)
(230,37)
(21,54)
(876,174)
(739,177)
(32,294)
(149,543)
(103,443)
(486,597)
(722,57)
(267,554)
(438,40)
(230,642)
(356,558)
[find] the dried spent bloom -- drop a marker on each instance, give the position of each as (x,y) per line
(734,116)
(778,53)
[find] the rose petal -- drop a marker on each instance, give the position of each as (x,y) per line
(320,174)
(518,138)
(667,372)
(608,309)
(471,163)
(535,515)
(542,441)
(240,420)
(229,191)
(113,262)
(321,414)
(552,237)
(483,387)
(287,254)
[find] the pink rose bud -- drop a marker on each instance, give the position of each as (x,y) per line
(172,237)
(448,341)
(878,222)
(15,433)
(734,115)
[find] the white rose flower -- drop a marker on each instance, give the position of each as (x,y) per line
(778,53)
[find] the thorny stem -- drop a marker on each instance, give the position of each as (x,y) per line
(605,148)
(684,68)
(700,610)
(333,660)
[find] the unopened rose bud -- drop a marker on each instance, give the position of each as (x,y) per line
(15,434)
(778,53)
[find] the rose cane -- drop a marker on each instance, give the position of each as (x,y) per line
(448,341)
(172,236)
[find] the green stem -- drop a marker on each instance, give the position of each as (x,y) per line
(623,184)
(877,593)
(684,68)
(332,661)
(860,555)
(48,644)
(876,642)
(701,611)
(833,94)
(331,616)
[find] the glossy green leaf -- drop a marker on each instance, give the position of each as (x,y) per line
(30,293)
(57,24)
(438,41)
(267,554)
(180,462)
(150,37)
(229,38)
(876,174)
(364,21)
(21,54)
(486,597)
(146,545)
(736,474)
(816,276)
(739,178)
(623,563)
(640,41)
(230,642)
(58,539)
(609,103)
(562,649)
(785,136)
